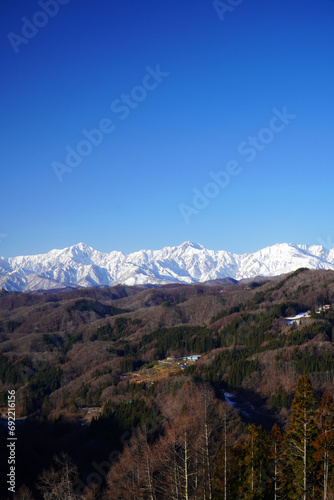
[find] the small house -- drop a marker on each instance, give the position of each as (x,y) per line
(296,320)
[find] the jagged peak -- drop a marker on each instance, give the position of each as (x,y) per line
(190,244)
(187,263)
(82,247)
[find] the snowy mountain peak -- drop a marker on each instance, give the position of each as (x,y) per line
(189,244)
(81,265)
(82,247)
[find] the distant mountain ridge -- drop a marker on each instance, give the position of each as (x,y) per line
(82,266)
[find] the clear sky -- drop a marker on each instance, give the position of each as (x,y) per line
(180,89)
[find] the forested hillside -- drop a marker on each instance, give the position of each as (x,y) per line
(172,392)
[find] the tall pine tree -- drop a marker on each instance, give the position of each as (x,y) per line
(301,433)
(256,464)
(324,444)
(278,473)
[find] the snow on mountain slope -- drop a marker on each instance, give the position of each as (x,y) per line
(81,265)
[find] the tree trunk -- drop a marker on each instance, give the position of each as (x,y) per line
(225,461)
(149,477)
(275,473)
(186,495)
(326,467)
(252,480)
(305,459)
(208,460)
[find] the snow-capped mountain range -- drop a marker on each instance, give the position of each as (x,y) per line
(81,265)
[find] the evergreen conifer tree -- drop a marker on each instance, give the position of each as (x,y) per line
(324,444)
(301,433)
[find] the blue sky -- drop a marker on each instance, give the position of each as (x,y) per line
(221,76)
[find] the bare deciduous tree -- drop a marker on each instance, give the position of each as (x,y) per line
(24,493)
(58,482)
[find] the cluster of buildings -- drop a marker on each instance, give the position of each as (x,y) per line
(194,357)
(296,320)
(184,360)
